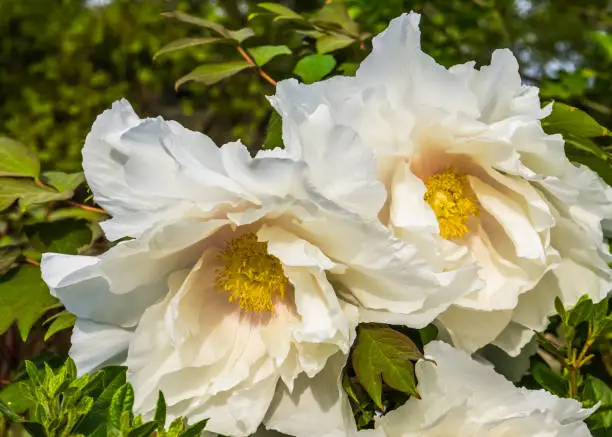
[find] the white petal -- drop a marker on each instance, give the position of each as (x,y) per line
(316,407)
(146,171)
(95,345)
(116,287)
(483,326)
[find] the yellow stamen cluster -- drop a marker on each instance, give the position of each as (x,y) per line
(453,202)
(251,275)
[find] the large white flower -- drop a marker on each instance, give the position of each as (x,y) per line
(463,398)
(472,179)
(221,298)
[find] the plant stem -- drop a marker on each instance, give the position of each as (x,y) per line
(87,208)
(251,62)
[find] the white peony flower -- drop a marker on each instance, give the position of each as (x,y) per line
(221,299)
(463,398)
(472,179)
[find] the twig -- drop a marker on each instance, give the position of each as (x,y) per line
(251,62)
(33,262)
(87,208)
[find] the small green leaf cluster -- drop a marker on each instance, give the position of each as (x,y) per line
(574,359)
(60,404)
(381,374)
(330,29)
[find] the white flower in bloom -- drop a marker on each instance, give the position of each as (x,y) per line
(463,398)
(221,298)
(472,179)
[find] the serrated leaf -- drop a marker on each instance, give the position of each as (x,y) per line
(28,193)
(549,380)
(274,132)
(17,160)
(144,430)
(210,74)
(24,298)
(123,401)
(64,320)
(160,409)
(112,379)
(176,427)
(63,181)
(65,236)
(281,11)
(264,54)
(314,67)
(332,42)
(84,405)
(184,43)
(566,119)
(384,354)
(8,256)
(196,429)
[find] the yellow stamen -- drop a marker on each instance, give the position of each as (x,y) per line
(251,275)
(453,202)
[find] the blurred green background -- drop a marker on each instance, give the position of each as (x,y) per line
(62,62)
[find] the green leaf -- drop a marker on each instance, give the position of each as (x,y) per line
(281,11)
(63,181)
(549,380)
(184,43)
(428,333)
(585,145)
(349,68)
(604,40)
(123,401)
(560,308)
(17,160)
(8,256)
(274,132)
(332,42)
(160,410)
(581,312)
(76,213)
(264,54)
(596,390)
(12,396)
(384,354)
(28,193)
(210,74)
(64,236)
(566,119)
(176,427)
(337,14)
(196,429)
(144,430)
(237,35)
(24,298)
(190,19)
(241,34)
(314,67)
(64,320)
(113,378)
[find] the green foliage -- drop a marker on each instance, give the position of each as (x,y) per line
(24,298)
(383,354)
(60,404)
(314,67)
